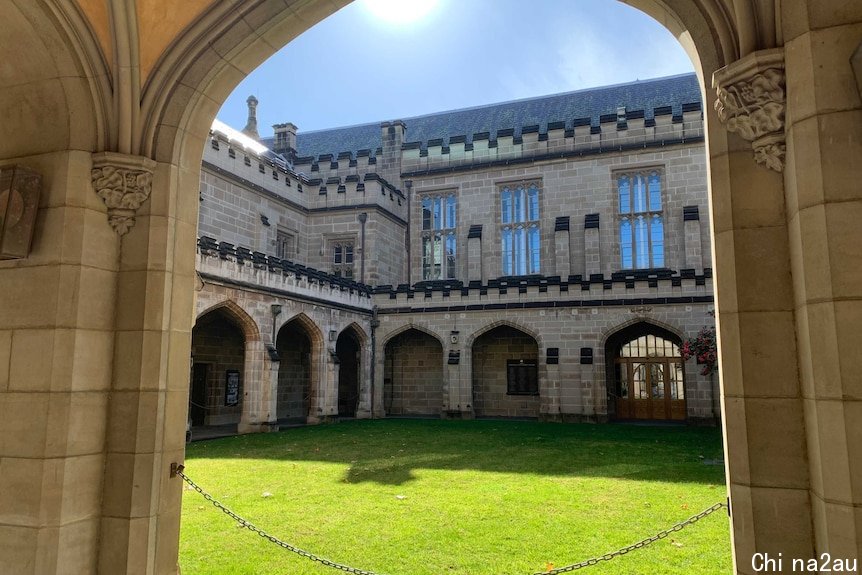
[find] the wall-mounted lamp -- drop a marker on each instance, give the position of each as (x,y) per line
(333,335)
(19,201)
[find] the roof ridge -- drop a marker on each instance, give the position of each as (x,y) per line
(407,120)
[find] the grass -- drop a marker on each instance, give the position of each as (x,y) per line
(416,497)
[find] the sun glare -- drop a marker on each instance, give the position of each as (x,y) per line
(400,11)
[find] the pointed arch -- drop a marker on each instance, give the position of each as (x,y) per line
(501,323)
(242,318)
(357,330)
(311,328)
(417,327)
(610,333)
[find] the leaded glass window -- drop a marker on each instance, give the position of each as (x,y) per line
(520,232)
(439,243)
(641,220)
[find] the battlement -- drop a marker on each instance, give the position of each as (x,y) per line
(635,288)
(222,261)
(625,130)
(331,184)
(254,166)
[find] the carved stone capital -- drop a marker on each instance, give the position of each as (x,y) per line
(751,102)
(124,183)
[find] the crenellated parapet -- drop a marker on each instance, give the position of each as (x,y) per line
(625,130)
(238,266)
(325,182)
(656,287)
(255,167)
(349,179)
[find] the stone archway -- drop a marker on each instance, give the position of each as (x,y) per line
(96,80)
(506,372)
(413,375)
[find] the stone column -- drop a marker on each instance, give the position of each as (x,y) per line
(379,378)
(255,389)
(562,255)
(56,358)
(474,254)
(363,410)
(272,404)
(764,426)
(549,386)
(457,370)
(148,402)
(824,210)
(592,247)
(691,230)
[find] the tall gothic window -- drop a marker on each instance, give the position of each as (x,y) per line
(439,246)
(342,258)
(641,222)
(519,229)
(284,245)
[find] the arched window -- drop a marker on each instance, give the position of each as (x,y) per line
(645,374)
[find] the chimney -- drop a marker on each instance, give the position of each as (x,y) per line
(391,136)
(251,126)
(285,140)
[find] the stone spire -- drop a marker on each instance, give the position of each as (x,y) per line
(250,129)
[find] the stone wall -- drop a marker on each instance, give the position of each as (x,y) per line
(413,377)
(573,189)
(294,373)
(491,353)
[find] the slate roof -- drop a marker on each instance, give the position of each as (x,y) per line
(645,95)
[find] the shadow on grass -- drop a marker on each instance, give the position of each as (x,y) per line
(387,451)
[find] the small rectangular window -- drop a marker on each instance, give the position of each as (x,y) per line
(522,377)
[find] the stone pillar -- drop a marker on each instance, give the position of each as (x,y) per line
(765,435)
(363,410)
(379,379)
(824,209)
(562,255)
(56,351)
(457,372)
(329,398)
(549,386)
(592,247)
(474,254)
(255,389)
(691,229)
(148,402)
(272,403)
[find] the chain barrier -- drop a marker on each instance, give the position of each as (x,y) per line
(639,545)
(178,470)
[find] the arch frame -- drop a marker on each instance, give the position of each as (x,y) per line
(244,321)
(407,327)
(471,340)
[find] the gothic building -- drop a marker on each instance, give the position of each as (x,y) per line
(540,258)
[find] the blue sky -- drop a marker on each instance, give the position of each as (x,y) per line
(357,66)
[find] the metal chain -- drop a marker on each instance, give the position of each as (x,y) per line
(178,470)
(639,545)
(243,523)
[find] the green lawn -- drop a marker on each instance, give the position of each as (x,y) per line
(423,497)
